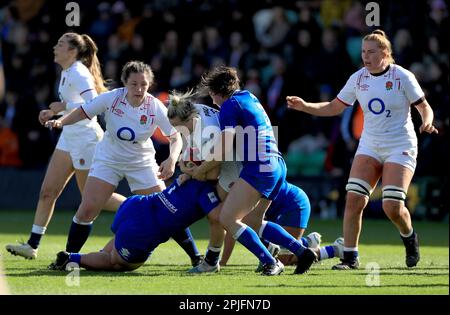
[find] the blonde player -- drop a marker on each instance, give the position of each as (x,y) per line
(81,81)
(126,150)
(388,145)
(200,126)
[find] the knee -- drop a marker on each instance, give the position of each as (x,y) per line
(87,212)
(358,194)
(226,220)
(393,209)
(214,218)
(355,203)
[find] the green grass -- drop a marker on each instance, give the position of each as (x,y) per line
(164,273)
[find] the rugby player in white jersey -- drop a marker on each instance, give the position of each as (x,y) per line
(126,150)
(81,81)
(388,144)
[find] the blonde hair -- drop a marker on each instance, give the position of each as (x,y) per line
(181,105)
(87,54)
(383,42)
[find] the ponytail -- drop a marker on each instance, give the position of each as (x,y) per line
(90,60)
(181,105)
(87,54)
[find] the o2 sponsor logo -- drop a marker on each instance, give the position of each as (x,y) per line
(126,134)
(376,106)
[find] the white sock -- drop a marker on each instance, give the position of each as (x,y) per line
(407,235)
(350,249)
(37,229)
(214,249)
(323,253)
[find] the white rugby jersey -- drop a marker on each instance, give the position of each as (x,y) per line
(76,87)
(385,100)
(128,129)
(206,126)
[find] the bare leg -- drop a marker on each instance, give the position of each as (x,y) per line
(112,204)
(107,260)
(59,172)
(400,176)
(227,249)
(368,169)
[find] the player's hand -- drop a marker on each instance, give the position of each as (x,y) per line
(45,115)
(53,124)
(57,107)
(166,169)
(295,102)
(428,128)
(187,168)
(183,178)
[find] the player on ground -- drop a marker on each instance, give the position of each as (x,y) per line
(131,115)
(199,125)
(262,175)
(388,144)
(81,81)
(144,222)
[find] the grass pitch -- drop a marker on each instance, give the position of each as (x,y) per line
(164,273)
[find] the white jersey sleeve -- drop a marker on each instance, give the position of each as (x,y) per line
(411,87)
(348,93)
(161,119)
(87,96)
(98,104)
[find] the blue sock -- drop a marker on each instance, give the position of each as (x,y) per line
(251,241)
(34,240)
(304,241)
(327,252)
(277,235)
(78,234)
(75,257)
(186,241)
(265,243)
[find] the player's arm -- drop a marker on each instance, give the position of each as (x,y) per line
(167,167)
(215,160)
(333,108)
(188,168)
(427,115)
(69,119)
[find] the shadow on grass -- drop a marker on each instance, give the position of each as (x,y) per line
(340,286)
(376,232)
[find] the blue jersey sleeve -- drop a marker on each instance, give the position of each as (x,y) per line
(229,114)
(208,199)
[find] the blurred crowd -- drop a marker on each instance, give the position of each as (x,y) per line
(304,48)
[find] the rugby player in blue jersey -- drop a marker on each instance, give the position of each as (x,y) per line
(145,221)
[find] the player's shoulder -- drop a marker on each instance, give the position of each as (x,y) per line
(401,72)
(80,70)
(358,73)
(206,110)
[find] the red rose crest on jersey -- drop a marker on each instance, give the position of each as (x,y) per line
(143,120)
(389,85)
